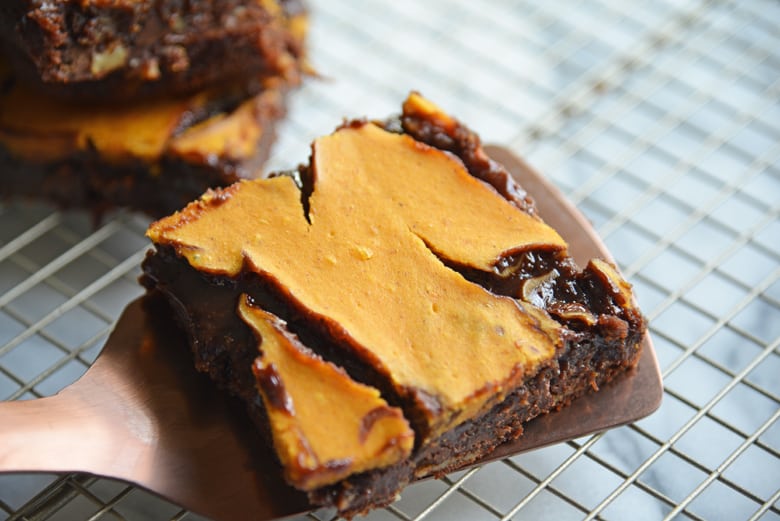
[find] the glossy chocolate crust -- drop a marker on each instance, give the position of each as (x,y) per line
(118,50)
(86,180)
(591,354)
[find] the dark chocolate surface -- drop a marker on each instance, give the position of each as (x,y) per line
(146,48)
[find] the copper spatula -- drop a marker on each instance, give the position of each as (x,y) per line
(142,414)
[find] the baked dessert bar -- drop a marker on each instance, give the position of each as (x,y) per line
(126,49)
(149,155)
(398,290)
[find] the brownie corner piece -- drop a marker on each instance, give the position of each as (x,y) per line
(403,259)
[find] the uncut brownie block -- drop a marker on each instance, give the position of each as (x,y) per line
(153,156)
(125,49)
(407,258)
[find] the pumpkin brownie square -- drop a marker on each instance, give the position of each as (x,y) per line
(399,290)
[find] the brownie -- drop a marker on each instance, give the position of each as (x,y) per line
(407,261)
(126,49)
(148,155)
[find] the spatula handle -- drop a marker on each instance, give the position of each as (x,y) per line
(31,434)
(61,433)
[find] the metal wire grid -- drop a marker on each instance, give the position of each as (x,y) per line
(661,122)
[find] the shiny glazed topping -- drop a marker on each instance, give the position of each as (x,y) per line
(325,426)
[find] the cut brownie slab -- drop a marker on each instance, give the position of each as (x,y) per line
(153,156)
(407,257)
(123,49)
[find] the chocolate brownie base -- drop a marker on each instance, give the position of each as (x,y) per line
(86,182)
(132,48)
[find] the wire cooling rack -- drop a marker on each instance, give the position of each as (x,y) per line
(660,120)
